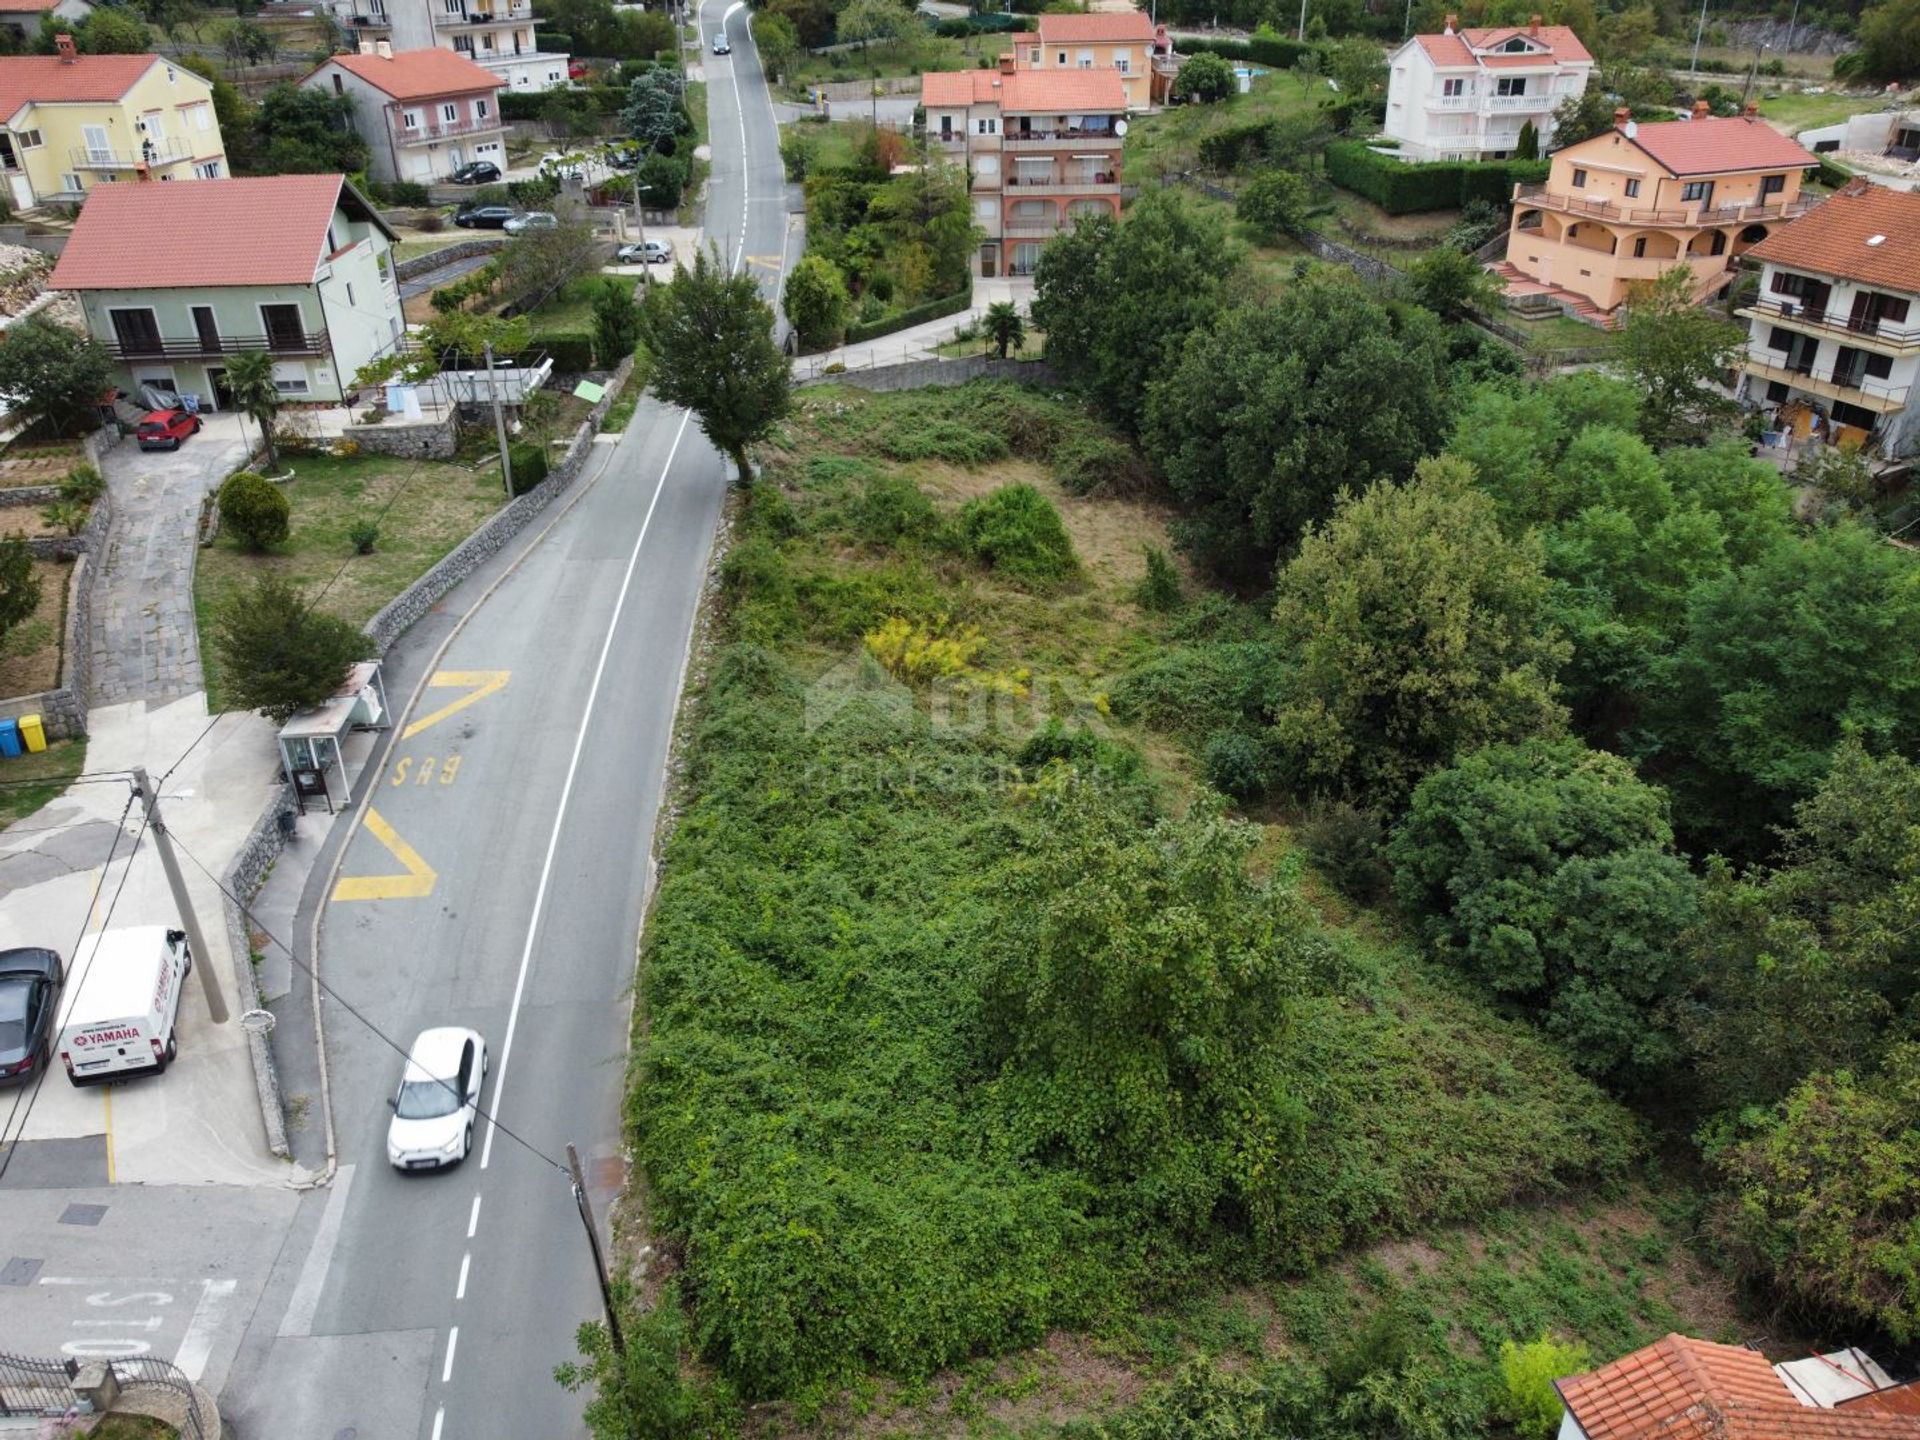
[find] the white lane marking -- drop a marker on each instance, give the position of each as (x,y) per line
(460,1290)
(473,1217)
(740,114)
(98,1280)
(152,1322)
(453,1339)
(566,795)
(439,1419)
(197,1344)
(313,1273)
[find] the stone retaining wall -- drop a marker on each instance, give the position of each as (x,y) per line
(433,438)
(243,877)
(459,250)
(913,374)
(1365,266)
(60,547)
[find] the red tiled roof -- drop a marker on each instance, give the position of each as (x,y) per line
(50,80)
(1028,92)
(21,7)
(1900,1400)
(1095,29)
(1684,1389)
(1716,147)
(1831,239)
(1456,50)
(418,74)
(266,231)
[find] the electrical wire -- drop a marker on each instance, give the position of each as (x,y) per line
(212,721)
(340,1000)
(73,995)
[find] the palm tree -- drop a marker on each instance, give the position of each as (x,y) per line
(250,378)
(1005,327)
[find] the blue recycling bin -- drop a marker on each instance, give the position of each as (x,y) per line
(10,745)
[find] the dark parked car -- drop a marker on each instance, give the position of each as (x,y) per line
(29,993)
(476,172)
(486,217)
(165,429)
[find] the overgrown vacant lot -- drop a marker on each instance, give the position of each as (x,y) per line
(967,1022)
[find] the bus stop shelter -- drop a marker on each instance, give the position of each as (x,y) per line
(323,749)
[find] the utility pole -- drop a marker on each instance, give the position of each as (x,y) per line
(499,423)
(1698,31)
(1301,33)
(1752,71)
(593,1240)
(163,842)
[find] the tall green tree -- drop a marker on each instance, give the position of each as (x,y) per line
(1254,422)
(864,21)
(815,299)
(1546,871)
(1676,352)
(711,336)
(54,376)
(1889,43)
(656,106)
(1418,631)
(1118,300)
(778,43)
(250,380)
(1205,78)
(19,586)
(278,654)
(1274,202)
(1004,327)
(616,322)
(302,131)
(1452,284)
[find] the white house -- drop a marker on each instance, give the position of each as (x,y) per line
(24,16)
(1833,347)
(502,35)
(423,113)
(1466,94)
(176,279)
(1882,143)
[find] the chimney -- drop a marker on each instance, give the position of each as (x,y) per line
(383,48)
(64,45)
(1701,109)
(1533,25)
(1622,118)
(1452,22)
(1006,64)
(1752,109)
(366,47)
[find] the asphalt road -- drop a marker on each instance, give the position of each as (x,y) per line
(519,824)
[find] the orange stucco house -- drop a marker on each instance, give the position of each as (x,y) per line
(1624,207)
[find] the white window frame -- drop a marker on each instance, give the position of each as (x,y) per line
(449,113)
(29,139)
(409,119)
(207,170)
(480,109)
(1511,85)
(70,182)
(1457,85)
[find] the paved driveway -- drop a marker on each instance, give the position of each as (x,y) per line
(144,644)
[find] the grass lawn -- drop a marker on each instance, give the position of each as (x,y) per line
(413,249)
(1029,347)
(133,1427)
(50,772)
(690,197)
(1805,112)
(1270,260)
(933,52)
(1562,332)
(834,141)
(440,506)
(30,652)
(621,411)
(570,310)
(1169,140)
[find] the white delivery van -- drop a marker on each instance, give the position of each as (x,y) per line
(123,999)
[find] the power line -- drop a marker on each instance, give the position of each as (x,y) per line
(214,720)
(344,1004)
(73,995)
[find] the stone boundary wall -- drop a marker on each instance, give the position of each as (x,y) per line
(64,710)
(249,868)
(60,547)
(1377,272)
(434,259)
(913,374)
(434,439)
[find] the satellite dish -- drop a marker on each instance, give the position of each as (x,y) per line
(1120,128)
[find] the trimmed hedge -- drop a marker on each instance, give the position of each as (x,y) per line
(1832,174)
(919,315)
(1232,147)
(529,466)
(1403,189)
(522,104)
(1273,50)
(570,350)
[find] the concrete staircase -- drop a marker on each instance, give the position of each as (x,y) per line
(1574,304)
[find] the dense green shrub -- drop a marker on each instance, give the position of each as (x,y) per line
(254,511)
(1402,188)
(571,351)
(1087,462)
(400,192)
(1527,1372)
(1235,763)
(890,509)
(1189,689)
(529,466)
(1018,533)
(1344,842)
(906,319)
(1232,146)
(1158,590)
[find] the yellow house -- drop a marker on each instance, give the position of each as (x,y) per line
(70,122)
(1121,40)
(1624,207)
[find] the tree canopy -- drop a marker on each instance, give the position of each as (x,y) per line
(53,375)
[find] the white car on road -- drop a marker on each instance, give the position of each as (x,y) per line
(438,1100)
(644,252)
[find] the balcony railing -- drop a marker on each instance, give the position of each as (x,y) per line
(1451,102)
(437,129)
(166,151)
(1853,387)
(1103,183)
(201,347)
(499,15)
(1062,140)
(1520,102)
(1807,317)
(1032,229)
(1540,197)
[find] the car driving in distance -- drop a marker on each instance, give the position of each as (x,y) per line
(485,217)
(531,220)
(438,1100)
(644,252)
(721,45)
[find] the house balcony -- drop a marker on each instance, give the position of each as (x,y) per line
(445,129)
(368,20)
(1032,229)
(1073,140)
(1104,184)
(166,151)
(1503,104)
(1868,393)
(497,15)
(203,347)
(1539,197)
(1878,336)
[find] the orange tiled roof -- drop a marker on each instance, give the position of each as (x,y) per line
(50,80)
(1685,1389)
(266,231)
(1456,50)
(418,74)
(1832,238)
(1098,29)
(1900,1400)
(19,7)
(1715,147)
(1028,92)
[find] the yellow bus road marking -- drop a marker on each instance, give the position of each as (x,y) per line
(769,262)
(479,683)
(415,882)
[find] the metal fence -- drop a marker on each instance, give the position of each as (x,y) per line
(35,1388)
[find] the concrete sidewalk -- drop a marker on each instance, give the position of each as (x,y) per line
(919,342)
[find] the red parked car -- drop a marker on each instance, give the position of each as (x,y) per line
(165,429)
